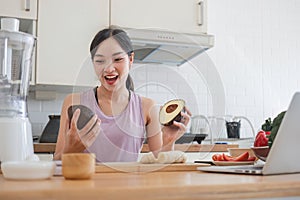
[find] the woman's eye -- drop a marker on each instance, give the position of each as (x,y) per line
(119,59)
(99,61)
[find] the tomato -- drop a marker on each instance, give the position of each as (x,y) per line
(220,157)
(261,139)
(242,157)
(223,157)
(215,157)
(227,158)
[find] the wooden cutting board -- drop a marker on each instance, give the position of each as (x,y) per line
(139,167)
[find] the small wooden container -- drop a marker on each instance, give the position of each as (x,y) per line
(78,165)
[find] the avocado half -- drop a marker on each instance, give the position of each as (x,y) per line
(171,111)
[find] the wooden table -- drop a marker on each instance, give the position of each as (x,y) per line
(154,185)
(50,147)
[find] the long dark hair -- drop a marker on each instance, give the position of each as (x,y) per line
(122,38)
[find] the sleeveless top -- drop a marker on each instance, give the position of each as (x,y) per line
(121,137)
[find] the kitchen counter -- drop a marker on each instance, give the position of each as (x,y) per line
(155,185)
(50,147)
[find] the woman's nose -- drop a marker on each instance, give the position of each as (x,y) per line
(109,68)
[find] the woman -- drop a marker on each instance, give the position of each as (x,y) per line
(123,119)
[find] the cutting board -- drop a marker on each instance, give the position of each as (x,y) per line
(139,167)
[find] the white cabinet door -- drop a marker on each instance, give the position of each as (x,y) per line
(26,9)
(186,16)
(65,30)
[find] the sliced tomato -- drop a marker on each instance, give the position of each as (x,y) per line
(220,157)
(243,157)
(227,158)
(215,157)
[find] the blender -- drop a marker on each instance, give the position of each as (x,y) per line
(16,50)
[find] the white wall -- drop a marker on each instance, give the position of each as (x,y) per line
(257,54)
(255,63)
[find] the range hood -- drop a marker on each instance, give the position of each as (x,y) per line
(164,47)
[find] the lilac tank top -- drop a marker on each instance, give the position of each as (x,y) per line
(121,137)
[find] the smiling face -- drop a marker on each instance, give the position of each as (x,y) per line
(112,64)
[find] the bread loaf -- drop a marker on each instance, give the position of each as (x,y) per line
(171,157)
(148,158)
(164,157)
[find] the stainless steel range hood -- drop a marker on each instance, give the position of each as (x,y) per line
(171,48)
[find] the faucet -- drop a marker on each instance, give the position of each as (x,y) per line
(245,118)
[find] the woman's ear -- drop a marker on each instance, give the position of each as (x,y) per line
(131,58)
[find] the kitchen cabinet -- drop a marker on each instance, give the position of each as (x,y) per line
(25,9)
(65,30)
(66,27)
(187,16)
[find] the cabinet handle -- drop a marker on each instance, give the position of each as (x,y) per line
(27,5)
(200,13)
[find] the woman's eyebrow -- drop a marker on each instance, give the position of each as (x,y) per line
(99,55)
(118,53)
(114,54)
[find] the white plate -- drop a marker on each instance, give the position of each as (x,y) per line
(27,170)
(232,163)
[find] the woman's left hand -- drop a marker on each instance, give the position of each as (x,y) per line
(177,129)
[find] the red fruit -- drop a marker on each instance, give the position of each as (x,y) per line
(220,157)
(215,157)
(227,158)
(261,139)
(242,157)
(268,132)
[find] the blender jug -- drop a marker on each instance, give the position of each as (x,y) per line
(16,50)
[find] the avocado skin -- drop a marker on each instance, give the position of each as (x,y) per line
(85,115)
(177,119)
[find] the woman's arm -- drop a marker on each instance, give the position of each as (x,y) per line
(153,127)
(162,138)
(64,125)
(70,139)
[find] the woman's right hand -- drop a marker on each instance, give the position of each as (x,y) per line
(78,140)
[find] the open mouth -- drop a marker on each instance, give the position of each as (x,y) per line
(110,79)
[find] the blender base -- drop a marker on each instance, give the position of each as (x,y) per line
(16,142)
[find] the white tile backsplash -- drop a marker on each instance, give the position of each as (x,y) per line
(254,62)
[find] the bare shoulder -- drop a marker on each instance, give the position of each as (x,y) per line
(147,103)
(72,99)
(150,109)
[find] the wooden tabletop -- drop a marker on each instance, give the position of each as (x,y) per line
(154,185)
(50,147)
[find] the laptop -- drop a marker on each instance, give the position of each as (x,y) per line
(284,154)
